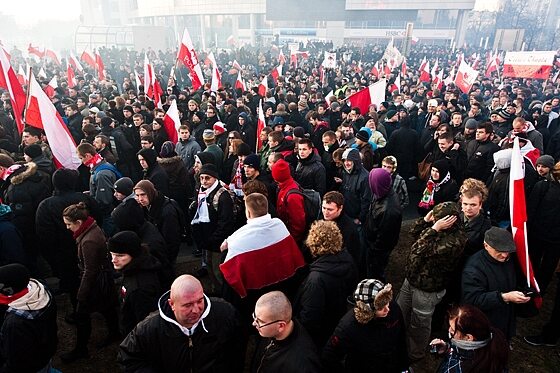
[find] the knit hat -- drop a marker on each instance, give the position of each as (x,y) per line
(106,122)
(443,209)
(125,242)
(65,179)
(124,186)
(362,135)
(391,114)
(208,134)
(299,132)
(33,151)
(101,115)
(500,240)
(351,154)
(380,182)
(374,293)
(442,165)
(147,187)
(546,161)
(128,108)
(471,123)
(209,169)
(167,150)
(252,160)
(13,278)
(335,105)
(504,114)
(281,171)
(277,120)
(243,149)
(219,127)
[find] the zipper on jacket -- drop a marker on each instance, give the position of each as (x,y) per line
(271,344)
(190,354)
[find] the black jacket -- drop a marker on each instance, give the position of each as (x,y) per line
(157,344)
(140,290)
(155,173)
(543,211)
(484,279)
(480,159)
(310,174)
(404,145)
(322,297)
(475,230)
(383,222)
(296,353)
(380,344)
(350,235)
(356,191)
(165,214)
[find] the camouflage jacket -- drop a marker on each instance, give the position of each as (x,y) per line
(434,256)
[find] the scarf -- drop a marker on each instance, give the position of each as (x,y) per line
(427,200)
(7,299)
(202,215)
(94,161)
(36,298)
(10,170)
(471,345)
(85,225)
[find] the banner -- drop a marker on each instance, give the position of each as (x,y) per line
(536,64)
(329,61)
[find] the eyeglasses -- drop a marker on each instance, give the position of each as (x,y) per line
(258,322)
(205,177)
(231,138)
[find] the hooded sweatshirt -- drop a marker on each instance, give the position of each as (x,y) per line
(355,189)
(155,173)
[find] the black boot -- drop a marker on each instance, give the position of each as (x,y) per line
(83,332)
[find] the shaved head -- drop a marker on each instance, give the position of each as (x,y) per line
(276,304)
(185,285)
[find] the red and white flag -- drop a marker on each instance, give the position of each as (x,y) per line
(53,56)
(35,51)
(263,86)
(387,70)
(21,77)
(158,92)
(450,78)
(41,113)
(9,81)
(240,83)
(518,215)
(396,86)
(261,123)
(433,72)
(281,58)
(100,66)
(492,65)
(476,61)
(260,254)
(187,55)
(148,77)
(89,58)
(216,76)
(425,75)
(375,69)
(374,94)
(70,76)
(76,65)
(328,98)
(42,73)
(438,80)
(404,67)
(172,122)
(237,66)
(276,73)
(466,76)
(51,87)
(138,81)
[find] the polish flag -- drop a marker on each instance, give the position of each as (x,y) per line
(187,55)
(264,241)
(433,72)
(476,61)
(158,92)
(422,65)
(396,86)
(70,76)
(374,94)
(276,73)
(35,51)
(281,58)
(239,83)
(328,96)
(172,122)
(438,80)
(263,87)
(261,123)
(49,53)
(466,76)
(50,88)
(41,113)
(237,66)
(375,69)
(88,58)
(9,82)
(138,81)
(425,75)
(148,77)
(530,152)
(76,65)
(518,215)
(42,73)
(22,79)
(450,78)
(100,66)
(403,67)
(216,76)
(492,66)
(387,70)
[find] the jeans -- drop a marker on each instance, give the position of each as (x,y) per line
(418,307)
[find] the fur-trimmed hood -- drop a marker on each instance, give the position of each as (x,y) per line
(23,173)
(168,161)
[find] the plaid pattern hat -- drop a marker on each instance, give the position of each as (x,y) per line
(374,293)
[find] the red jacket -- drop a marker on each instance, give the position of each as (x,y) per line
(291,212)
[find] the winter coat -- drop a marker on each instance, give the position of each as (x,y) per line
(543,212)
(317,135)
(248,134)
(101,184)
(155,173)
(187,150)
(178,179)
(497,203)
(322,297)
(331,171)
(11,241)
(355,189)
(480,159)
(369,158)
(310,174)
(296,353)
(217,154)
(291,209)
(356,348)
(140,290)
(350,235)
(383,223)
(165,214)
(484,280)
(475,230)
(158,343)
(404,145)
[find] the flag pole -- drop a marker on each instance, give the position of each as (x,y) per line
(28,91)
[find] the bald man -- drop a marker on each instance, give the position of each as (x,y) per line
(190,333)
(285,346)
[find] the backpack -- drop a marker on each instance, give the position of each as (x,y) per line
(238,207)
(106,166)
(311,203)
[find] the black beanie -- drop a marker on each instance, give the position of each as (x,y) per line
(128,216)
(13,278)
(106,121)
(33,151)
(125,242)
(124,186)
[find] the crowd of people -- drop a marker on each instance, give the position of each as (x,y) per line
(293,222)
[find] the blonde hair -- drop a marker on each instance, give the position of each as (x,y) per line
(472,187)
(324,238)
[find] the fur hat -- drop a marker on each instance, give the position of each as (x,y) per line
(374,293)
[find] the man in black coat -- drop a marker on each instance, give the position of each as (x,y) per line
(489,281)
(480,153)
(404,144)
(140,287)
(153,171)
(190,333)
(310,172)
